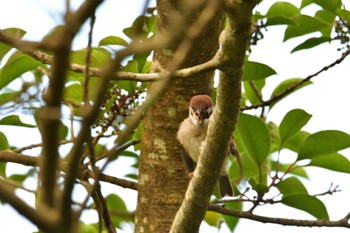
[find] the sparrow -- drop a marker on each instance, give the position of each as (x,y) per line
(192,134)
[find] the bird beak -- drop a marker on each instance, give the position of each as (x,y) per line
(198,116)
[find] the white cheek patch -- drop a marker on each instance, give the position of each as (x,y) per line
(194,119)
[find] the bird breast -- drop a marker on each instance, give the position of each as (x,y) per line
(191,137)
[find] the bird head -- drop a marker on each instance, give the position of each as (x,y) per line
(200,109)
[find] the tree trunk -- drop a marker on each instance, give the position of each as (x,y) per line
(162,178)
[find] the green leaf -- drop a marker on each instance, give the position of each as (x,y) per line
(212,218)
(108,105)
(334,162)
(298,171)
(282,9)
(141,59)
(98,58)
(151,22)
(74,92)
(304,25)
(255,136)
(128,153)
(344,14)
(309,204)
(131,66)
(252,90)
(281,13)
(260,188)
(232,221)
(14,120)
(275,137)
(139,28)
(292,123)
(87,228)
(311,42)
(284,86)
(3,169)
(137,136)
(132,176)
(326,17)
(330,5)
(255,71)
(100,149)
(323,143)
(63,131)
(113,40)
(295,142)
(8,97)
(279,20)
(305,3)
(15,66)
(250,170)
(291,185)
(115,203)
(4,144)
(13,32)
(20,178)
(129,86)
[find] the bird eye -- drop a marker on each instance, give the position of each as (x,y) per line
(192,111)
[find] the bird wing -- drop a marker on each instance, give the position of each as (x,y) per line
(189,164)
(234,152)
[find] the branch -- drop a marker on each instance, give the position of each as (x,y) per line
(101,206)
(92,113)
(88,62)
(44,220)
(282,221)
(120,182)
(27,160)
(182,73)
(29,49)
(231,56)
(50,114)
(297,85)
(32,146)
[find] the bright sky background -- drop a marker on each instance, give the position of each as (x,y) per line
(327,99)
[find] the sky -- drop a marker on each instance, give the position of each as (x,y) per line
(326,99)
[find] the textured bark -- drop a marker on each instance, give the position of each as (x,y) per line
(162,178)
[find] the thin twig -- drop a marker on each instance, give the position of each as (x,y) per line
(32,146)
(33,161)
(297,85)
(45,220)
(281,221)
(88,63)
(30,49)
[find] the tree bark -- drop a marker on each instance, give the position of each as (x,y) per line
(162,178)
(235,40)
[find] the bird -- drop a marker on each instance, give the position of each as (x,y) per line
(192,133)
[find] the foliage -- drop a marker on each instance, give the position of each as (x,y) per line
(24,79)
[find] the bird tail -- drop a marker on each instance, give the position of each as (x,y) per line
(225,186)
